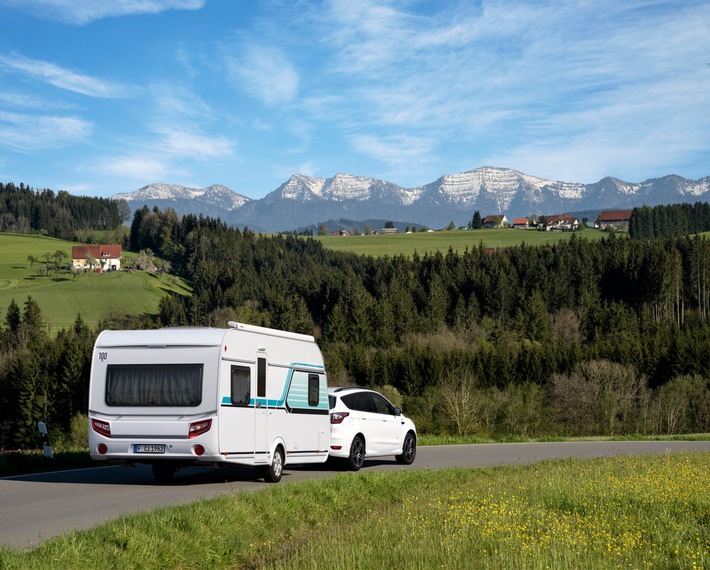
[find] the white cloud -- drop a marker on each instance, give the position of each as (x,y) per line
(27,133)
(265,73)
(63,78)
(136,168)
(396,151)
(85,11)
(197,146)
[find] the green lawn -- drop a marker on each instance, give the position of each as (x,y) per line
(62,296)
(458,240)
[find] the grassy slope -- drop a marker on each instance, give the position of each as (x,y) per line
(62,297)
(458,240)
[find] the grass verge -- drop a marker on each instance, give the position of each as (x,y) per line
(630,512)
(25,462)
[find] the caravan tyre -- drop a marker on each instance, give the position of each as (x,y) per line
(273,472)
(163,472)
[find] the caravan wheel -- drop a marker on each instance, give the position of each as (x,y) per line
(273,472)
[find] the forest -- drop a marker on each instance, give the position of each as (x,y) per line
(63,216)
(603,337)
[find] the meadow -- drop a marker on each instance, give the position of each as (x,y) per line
(62,296)
(380,245)
(622,512)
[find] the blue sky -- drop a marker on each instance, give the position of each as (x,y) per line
(105,96)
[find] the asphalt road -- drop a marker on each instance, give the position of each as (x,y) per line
(36,507)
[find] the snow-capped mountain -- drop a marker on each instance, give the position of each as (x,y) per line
(215,201)
(303,200)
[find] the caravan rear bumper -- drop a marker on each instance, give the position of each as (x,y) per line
(151,450)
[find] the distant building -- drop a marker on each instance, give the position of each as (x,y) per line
(101,257)
(563,222)
(521,223)
(616,219)
(495,221)
(389,231)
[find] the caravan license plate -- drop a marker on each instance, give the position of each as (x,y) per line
(149,448)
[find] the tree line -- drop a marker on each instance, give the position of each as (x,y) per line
(61,215)
(669,221)
(577,338)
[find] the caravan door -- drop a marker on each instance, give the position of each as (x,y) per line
(236,417)
(261,411)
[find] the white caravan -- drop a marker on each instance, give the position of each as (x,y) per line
(244,395)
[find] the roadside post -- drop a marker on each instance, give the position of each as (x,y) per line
(44,436)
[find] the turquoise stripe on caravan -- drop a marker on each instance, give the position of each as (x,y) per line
(297,398)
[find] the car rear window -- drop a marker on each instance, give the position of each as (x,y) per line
(360,401)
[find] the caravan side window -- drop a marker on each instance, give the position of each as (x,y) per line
(313,389)
(241,386)
(260,377)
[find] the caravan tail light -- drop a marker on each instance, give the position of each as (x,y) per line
(199,449)
(198,428)
(101,427)
(338,417)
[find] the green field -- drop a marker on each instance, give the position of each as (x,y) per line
(622,512)
(458,240)
(62,296)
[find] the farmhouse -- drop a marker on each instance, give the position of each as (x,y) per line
(521,223)
(101,257)
(563,222)
(495,221)
(616,219)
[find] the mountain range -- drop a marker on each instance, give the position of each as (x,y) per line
(304,201)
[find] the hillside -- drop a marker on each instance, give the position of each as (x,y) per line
(458,240)
(62,297)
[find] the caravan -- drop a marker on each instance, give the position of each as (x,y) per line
(244,395)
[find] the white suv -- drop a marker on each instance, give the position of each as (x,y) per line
(363,423)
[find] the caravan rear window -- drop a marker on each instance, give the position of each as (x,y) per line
(154,385)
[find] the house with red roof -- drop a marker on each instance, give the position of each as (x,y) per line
(96,257)
(495,221)
(562,222)
(614,219)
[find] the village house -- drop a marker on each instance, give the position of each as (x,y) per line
(562,222)
(495,221)
(614,219)
(521,223)
(96,257)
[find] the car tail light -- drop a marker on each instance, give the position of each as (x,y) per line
(102,448)
(198,428)
(101,427)
(199,449)
(338,417)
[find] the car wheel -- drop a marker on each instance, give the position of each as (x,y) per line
(273,472)
(163,472)
(357,454)
(409,450)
